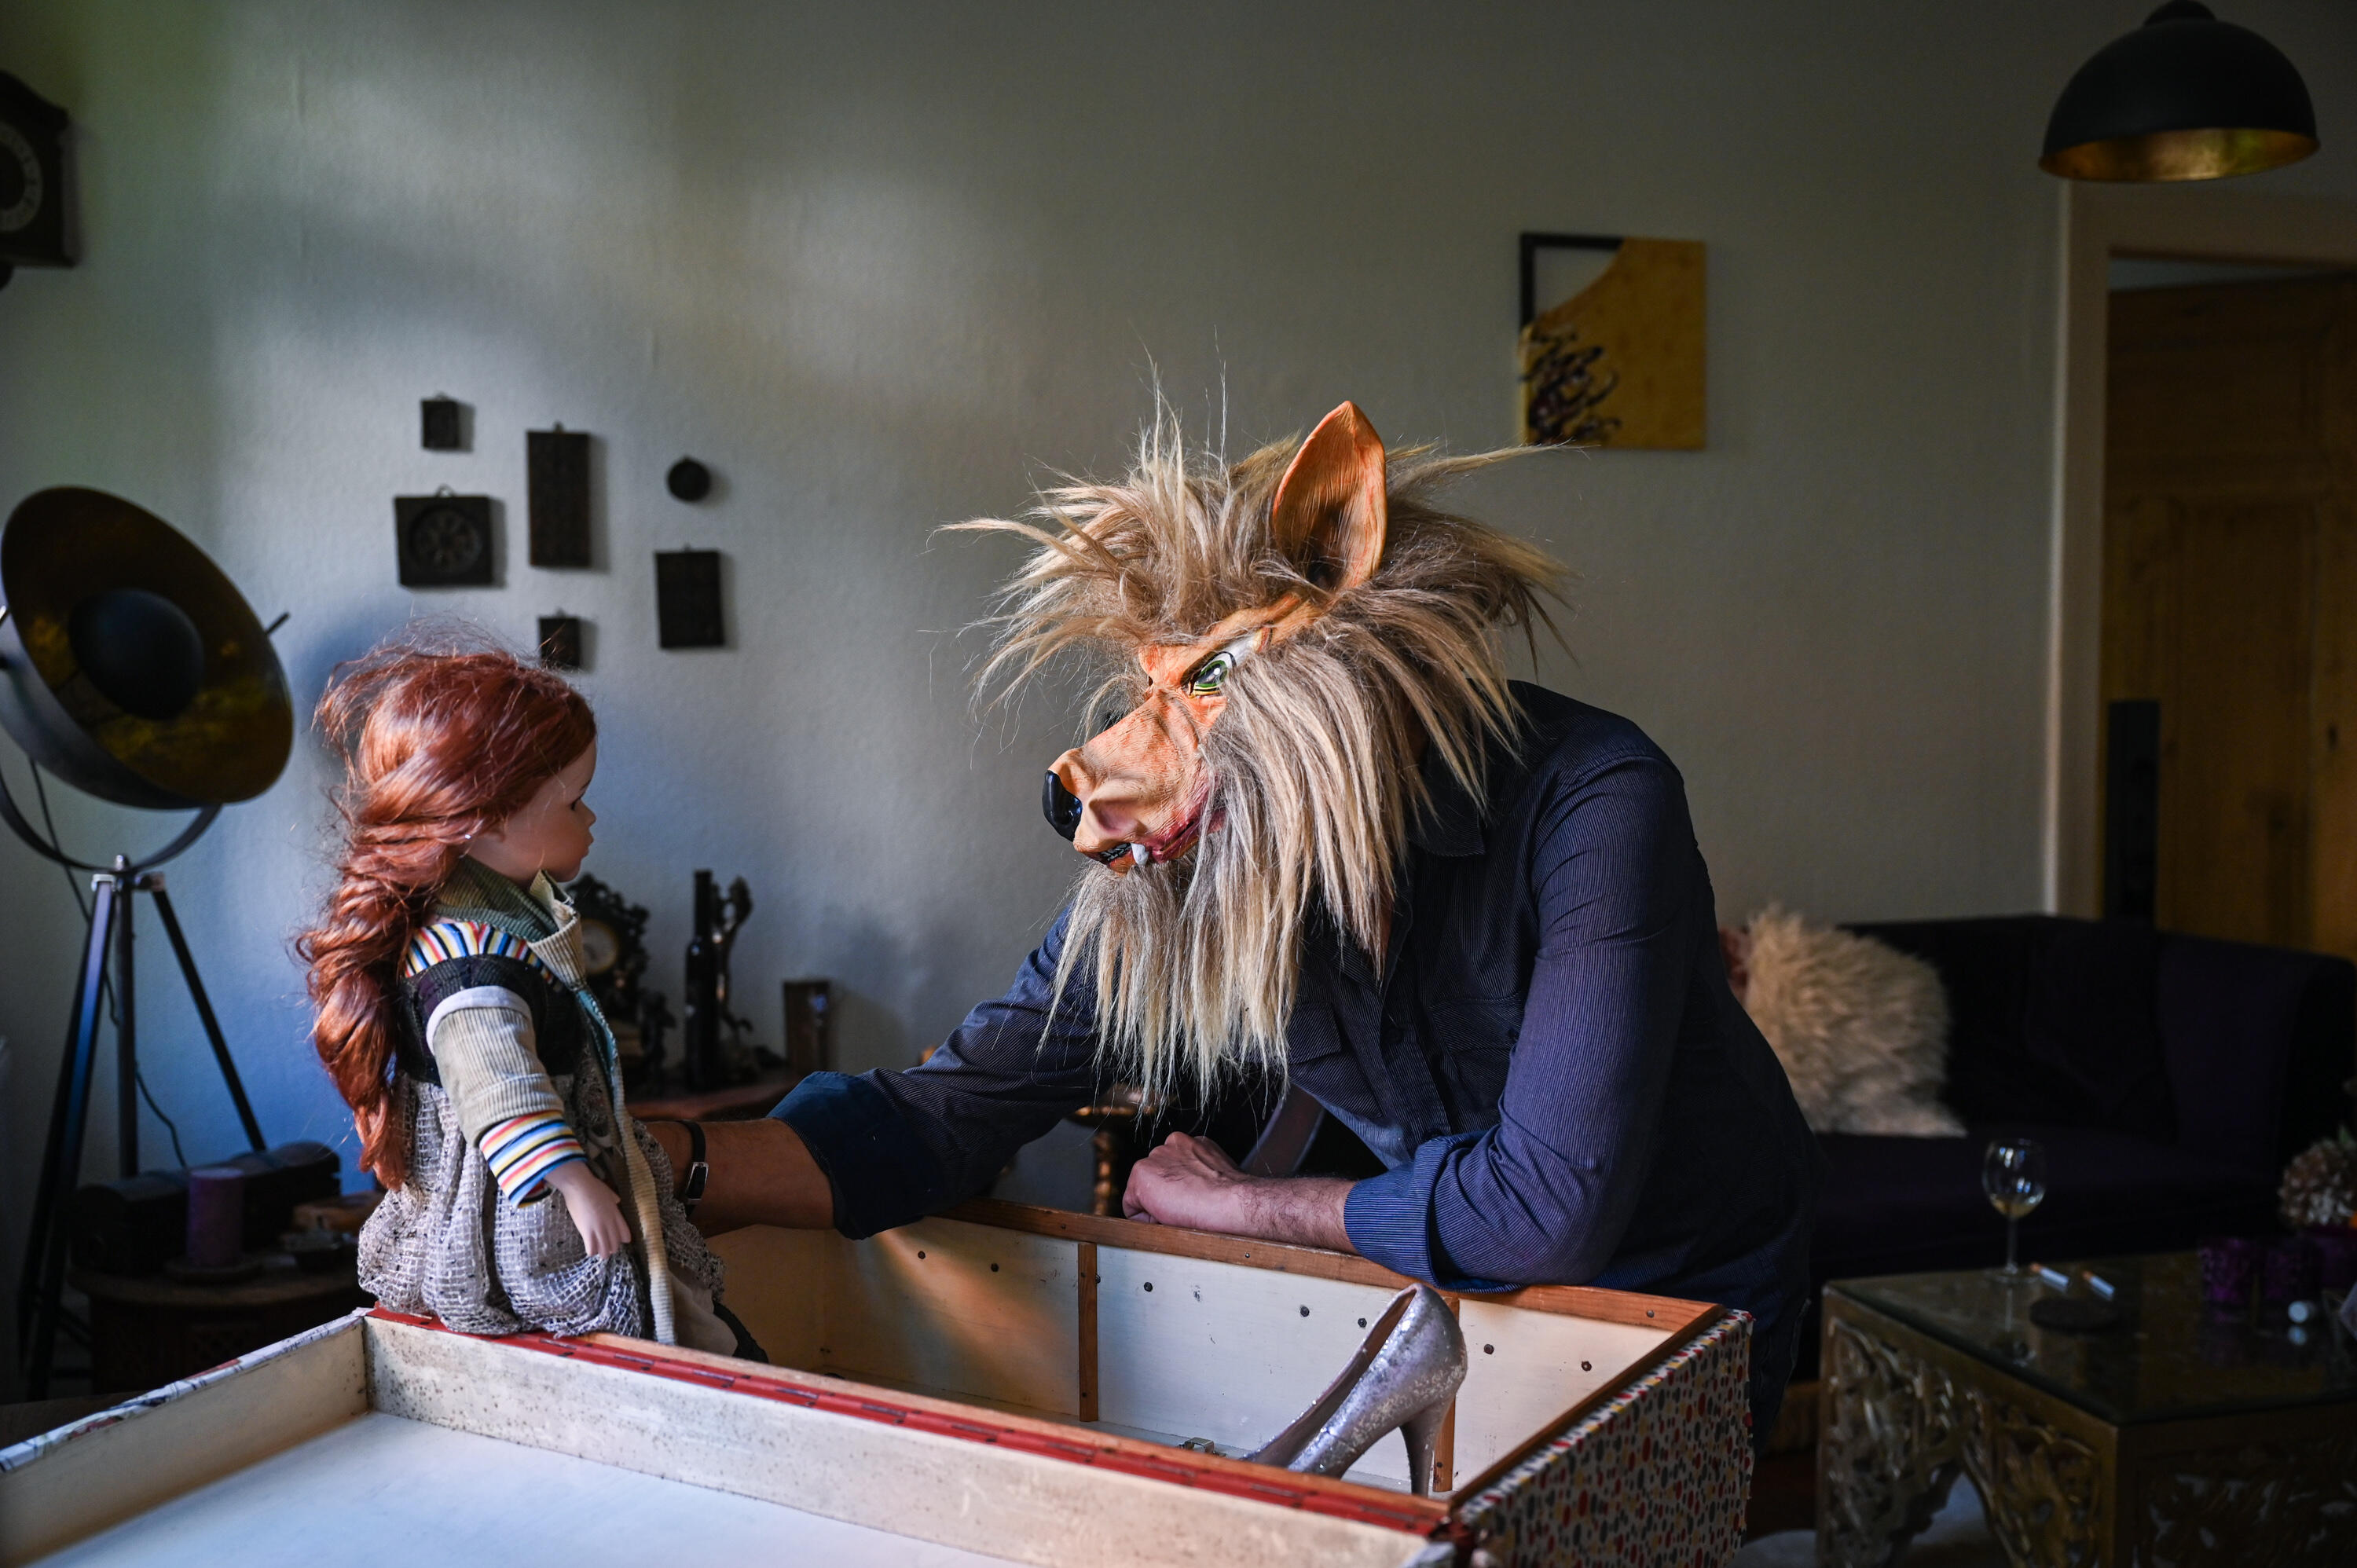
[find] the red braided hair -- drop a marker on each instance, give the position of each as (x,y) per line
(438,742)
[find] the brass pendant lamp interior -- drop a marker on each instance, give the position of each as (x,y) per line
(2184,97)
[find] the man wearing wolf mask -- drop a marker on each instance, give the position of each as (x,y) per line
(1331,841)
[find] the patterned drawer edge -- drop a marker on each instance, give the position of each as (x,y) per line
(1661,1473)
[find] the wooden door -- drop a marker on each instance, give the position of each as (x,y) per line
(2230,596)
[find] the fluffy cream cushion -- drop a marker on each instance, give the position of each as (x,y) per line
(1861,1028)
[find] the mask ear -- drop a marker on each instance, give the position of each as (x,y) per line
(1329,516)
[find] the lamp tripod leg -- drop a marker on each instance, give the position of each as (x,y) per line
(43,1282)
(126,1023)
(28,1280)
(155,883)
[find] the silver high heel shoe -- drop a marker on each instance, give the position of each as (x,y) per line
(1403,1377)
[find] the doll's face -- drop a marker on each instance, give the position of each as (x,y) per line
(550,833)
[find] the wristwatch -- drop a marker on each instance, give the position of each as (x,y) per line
(691,1191)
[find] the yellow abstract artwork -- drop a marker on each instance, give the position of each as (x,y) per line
(1620,364)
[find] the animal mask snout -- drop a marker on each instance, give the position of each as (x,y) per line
(1061,806)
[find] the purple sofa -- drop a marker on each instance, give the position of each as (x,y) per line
(2170,1077)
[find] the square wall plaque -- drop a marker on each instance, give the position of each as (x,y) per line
(444,541)
(560,642)
(440,427)
(687,599)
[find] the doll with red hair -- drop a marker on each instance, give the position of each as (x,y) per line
(454,1017)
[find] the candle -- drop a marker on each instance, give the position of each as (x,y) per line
(216,1215)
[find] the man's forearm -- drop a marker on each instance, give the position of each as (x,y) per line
(761,1174)
(1305,1212)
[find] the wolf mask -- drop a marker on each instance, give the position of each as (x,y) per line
(1285,639)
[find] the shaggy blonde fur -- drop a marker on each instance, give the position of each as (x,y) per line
(1861,1028)
(1312,765)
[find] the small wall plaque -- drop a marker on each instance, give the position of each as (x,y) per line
(557,463)
(687,599)
(444,541)
(560,642)
(440,421)
(688,480)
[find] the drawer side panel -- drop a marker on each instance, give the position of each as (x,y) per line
(978,1496)
(101,1471)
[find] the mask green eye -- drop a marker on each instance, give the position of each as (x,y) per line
(1210,675)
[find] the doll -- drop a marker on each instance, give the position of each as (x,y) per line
(447,975)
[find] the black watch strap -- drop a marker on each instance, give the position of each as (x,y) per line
(691,1191)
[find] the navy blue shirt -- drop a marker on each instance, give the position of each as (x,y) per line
(1550,1066)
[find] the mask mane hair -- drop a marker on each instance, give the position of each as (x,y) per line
(1313,764)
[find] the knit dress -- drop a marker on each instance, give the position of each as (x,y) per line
(504,1072)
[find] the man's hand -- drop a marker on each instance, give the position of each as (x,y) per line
(1191,1182)
(596,1212)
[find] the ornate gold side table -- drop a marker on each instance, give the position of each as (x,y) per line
(2187,1434)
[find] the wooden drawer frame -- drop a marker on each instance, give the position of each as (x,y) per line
(985,1353)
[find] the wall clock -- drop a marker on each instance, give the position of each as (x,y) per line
(444,540)
(601,947)
(34,181)
(613,944)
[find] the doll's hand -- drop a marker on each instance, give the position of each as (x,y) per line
(596,1212)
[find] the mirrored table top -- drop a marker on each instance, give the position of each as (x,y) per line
(2171,1357)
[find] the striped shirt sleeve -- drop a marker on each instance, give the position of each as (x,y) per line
(445,939)
(525,1149)
(483,1047)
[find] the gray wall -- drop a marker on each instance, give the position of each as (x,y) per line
(882,265)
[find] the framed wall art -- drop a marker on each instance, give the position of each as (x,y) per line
(1618,360)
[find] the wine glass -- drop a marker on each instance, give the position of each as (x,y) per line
(2013,1174)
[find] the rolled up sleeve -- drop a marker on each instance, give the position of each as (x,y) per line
(1545,1196)
(897,1145)
(484,1049)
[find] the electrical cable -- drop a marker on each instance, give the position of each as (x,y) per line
(139,1076)
(57,844)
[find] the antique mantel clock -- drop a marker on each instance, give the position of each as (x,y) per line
(35,187)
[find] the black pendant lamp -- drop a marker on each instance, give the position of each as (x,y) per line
(2186,96)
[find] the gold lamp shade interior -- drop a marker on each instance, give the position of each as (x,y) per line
(2179,155)
(130,666)
(2186,96)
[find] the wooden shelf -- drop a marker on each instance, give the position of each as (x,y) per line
(744,1103)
